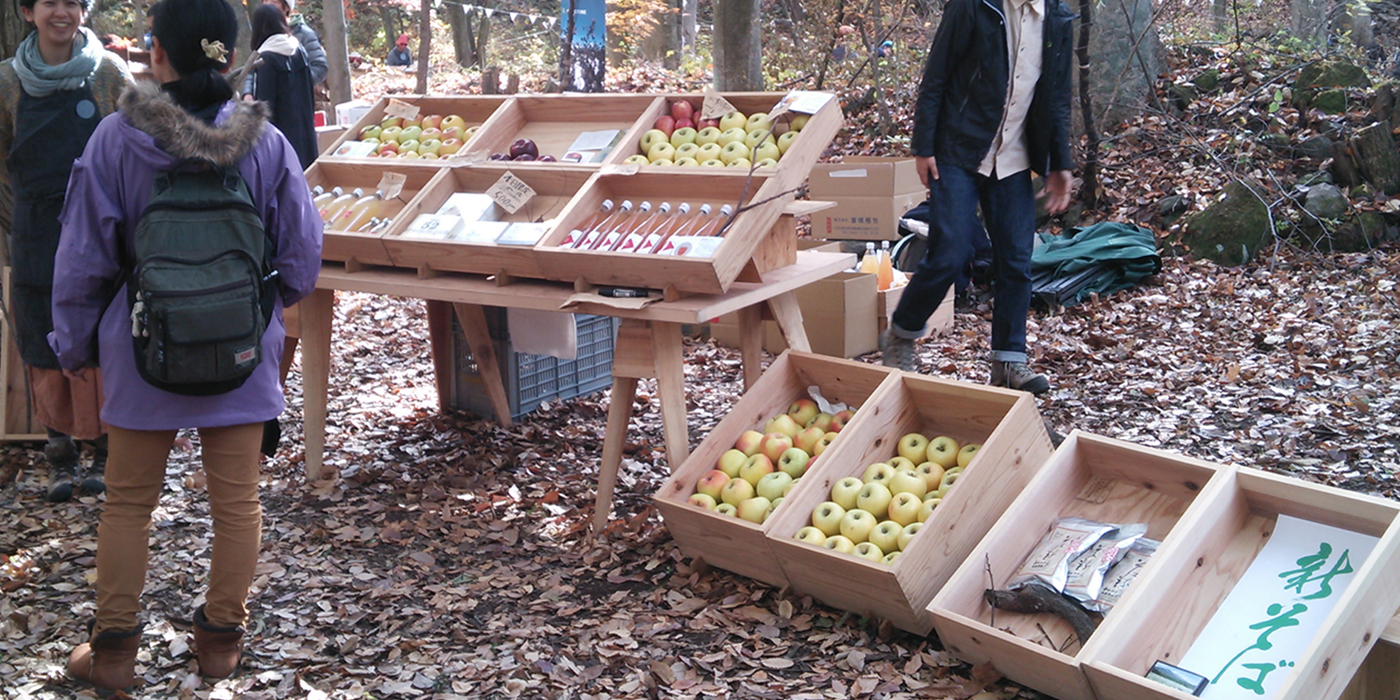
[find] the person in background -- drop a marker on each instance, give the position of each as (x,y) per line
(310,43)
(191,113)
(282,79)
(400,55)
(55,90)
(993,106)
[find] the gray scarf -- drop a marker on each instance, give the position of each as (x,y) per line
(41,79)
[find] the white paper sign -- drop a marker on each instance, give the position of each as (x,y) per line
(401,109)
(714,106)
(392,184)
(511,193)
(1249,648)
(543,333)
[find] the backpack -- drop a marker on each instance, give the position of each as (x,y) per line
(201,286)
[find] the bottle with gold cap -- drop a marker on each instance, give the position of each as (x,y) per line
(358,213)
(339,204)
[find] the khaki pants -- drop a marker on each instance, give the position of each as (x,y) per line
(135,475)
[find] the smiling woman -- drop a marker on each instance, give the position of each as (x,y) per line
(53,93)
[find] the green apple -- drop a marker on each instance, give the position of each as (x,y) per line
(794,462)
(772,506)
(869,552)
(901,464)
(890,557)
(731,136)
(950,477)
(736,491)
(874,497)
(783,423)
(754,509)
(926,510)
(772,485)
(966,454)
(408,144)
(913,447)
(758,121)
(798,121)
(429,146)
(765,163)
(908,533)
(904,508)
(704,500)
(767,151)
(731,461)
(823,443)
(712,483)
(687,150)
(732,151)
(774,445)
(821,420)
(411,132)
(879,472)
(372,139)
(802,411)
(370,132)
(827,518)
(755,468)
(662,161)
(706,135)
(754,138)
(683,135)
(709,151)
(651,138)
(687,162)
(942,451)
(844,492)
(857,524)
(886,535)
(660,150)
(727,509)
(808,438)
(712,163)
(839,543)
(932,473)
(739,163)
(810,535)
(785,141)
(638,159)
(733,120)
(749,442)
(390,134)
(908,481)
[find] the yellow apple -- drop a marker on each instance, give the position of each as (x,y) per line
(810,535)
(886,535)
(932,473)
(908,481)
(943,451)
(749,441)
(926,510)
(733,120)
(844,492)
(966,454)
(913,447)
(879,472)
(839,543)
(754,509)
(736,491)
(856,525)
(904,508)
(868,551)
(785,141)
(908,534)
(826,517)
(706,135)
(874,497)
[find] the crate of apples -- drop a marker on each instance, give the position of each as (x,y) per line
(876,515)
(429,136)
(736,139)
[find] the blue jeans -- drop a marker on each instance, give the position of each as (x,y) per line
(1008,207)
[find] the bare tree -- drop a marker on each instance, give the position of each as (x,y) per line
(425,45)
(337,52)
(737,48)
(13,28)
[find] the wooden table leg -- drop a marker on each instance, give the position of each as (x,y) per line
(751,343)
(473,320)
(789,317)
(668,353)
(624,392)
(317,315)
(440,345)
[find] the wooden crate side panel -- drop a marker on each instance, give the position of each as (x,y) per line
(17,418)
(1378,678)
(1145,467)
(1273,494)
(848,582)
(1020,660)
(1112,683)
(474,109)
(722,541)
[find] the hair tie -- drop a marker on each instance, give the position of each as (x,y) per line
(214,49)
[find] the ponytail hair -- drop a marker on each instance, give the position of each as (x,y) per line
(198,36)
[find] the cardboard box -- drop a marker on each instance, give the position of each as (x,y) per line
(839,313)
(870,194)
(941,320)
(347,113)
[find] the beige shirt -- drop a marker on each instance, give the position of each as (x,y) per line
(1025,29)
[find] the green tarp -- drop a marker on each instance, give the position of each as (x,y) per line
(1095,259)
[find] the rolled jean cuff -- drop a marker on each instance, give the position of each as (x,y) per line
(898,332)
(1009,356)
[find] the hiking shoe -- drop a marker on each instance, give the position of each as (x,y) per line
(1018,376)
(92,483)
(896,351)
(63,461)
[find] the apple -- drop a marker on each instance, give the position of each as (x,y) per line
(901,464)
(890,557)
(886,535)
(739,163)
(874,498)
(370,132)
(765,163)
(731,461)
(827,517)
(712,163)
(913,447)
(638,159)
(732,151)
(783,424)
(661,151)
(736,491)
(712,483)
(665,123)
(868,551)
(651,138)
(754,509)
(797,122)
(432,121)
(840,419)
(687,150)
(524,158)
(748,442)
(411,132)
(733,120)
(767,151)
(682,135)
(372,140)
(803,411)
(753,139)
(450,145)
(839,543)
(845,491)
(469,131)
(794,462)
(430,132)
(709,151)
(453,132)
(704,500)
(926,510)
(391,122)
(702,123)
(706,135)
(755,468)
(409,154)
(943,451)
(823,443)
(807,439)
(966,454)
(413,121)
(904,508)
(950,477)
(879,472)
(908,533)
(685,124)
(452,120)
(390,134)
(523,146)
(785,141)
(430,146)
(388,147)
(758,121)
(774,445)
(908,481)
(387,154)
(687,162)
(407,144)
(788,489)
(727,509)
(821,420)
(428,156)
(810,535)
(731,136)
(933,475)
(772,485)
(857,525)
(681,109)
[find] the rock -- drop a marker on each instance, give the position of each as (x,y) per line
(1317,178)
(1317,148)
(1230,230)
(1326,75)
(1330,101)
(1181,95)
(1206,81)
(1170,208)
(1275,141)
(1326,201)
(1362,191)
(1358,233)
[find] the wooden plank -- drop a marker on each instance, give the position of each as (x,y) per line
(488,363)
(751,343)
(17,418)
(624,392)
(668,352)
(440,346)
(317,314)
(789,317)
(1378,678)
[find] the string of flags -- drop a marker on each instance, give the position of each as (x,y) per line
(514,16)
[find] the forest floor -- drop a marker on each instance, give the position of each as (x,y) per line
(452,558)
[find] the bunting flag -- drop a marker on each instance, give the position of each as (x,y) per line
(515,16)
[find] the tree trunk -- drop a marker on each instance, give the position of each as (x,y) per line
(688,29)
(425,45)
(1375,154)
(737,49)
(1219,11)
(463,48)
(1310,19)
(1090,191)
(13,28)
(243,49)
(391,26)
(671,29)
(483,35)
(337,53)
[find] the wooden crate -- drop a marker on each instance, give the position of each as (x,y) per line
(554,121)
(553,190)
(475,109)
(1091,477)
(366,248)
(1379,676)
(728,542)
(17,419)
(1015,447)
(749,238)
(1197,570)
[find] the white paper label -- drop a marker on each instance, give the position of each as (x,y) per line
(510,192)
(715,105)
(392,184)
(401,109)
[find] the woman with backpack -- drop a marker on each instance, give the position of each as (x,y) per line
(282,79)
(59,85)
(190,124)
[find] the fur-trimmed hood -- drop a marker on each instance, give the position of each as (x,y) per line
(182,135)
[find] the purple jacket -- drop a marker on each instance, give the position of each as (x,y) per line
(107,192)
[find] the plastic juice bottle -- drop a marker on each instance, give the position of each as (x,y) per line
(339,204)
(870,262)
(666,229)
(611,238)
(884,276)
(687,227)
(322,198)
(711,227)
(591,223)
(632,241)
(589,237)
(361,211)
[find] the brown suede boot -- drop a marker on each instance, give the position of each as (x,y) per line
(108,661)
(217,648)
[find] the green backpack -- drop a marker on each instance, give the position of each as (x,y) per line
(201,286)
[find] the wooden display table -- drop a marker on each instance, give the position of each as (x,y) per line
(648,344)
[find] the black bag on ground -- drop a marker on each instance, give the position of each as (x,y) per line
(201,286)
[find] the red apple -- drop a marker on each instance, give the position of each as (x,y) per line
(682,123)
(524,147)
(666,123)
(702,123)
(681,109)
(432,121)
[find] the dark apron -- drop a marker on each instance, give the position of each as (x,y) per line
(50,133)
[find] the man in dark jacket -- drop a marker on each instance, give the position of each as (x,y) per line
(993,106)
